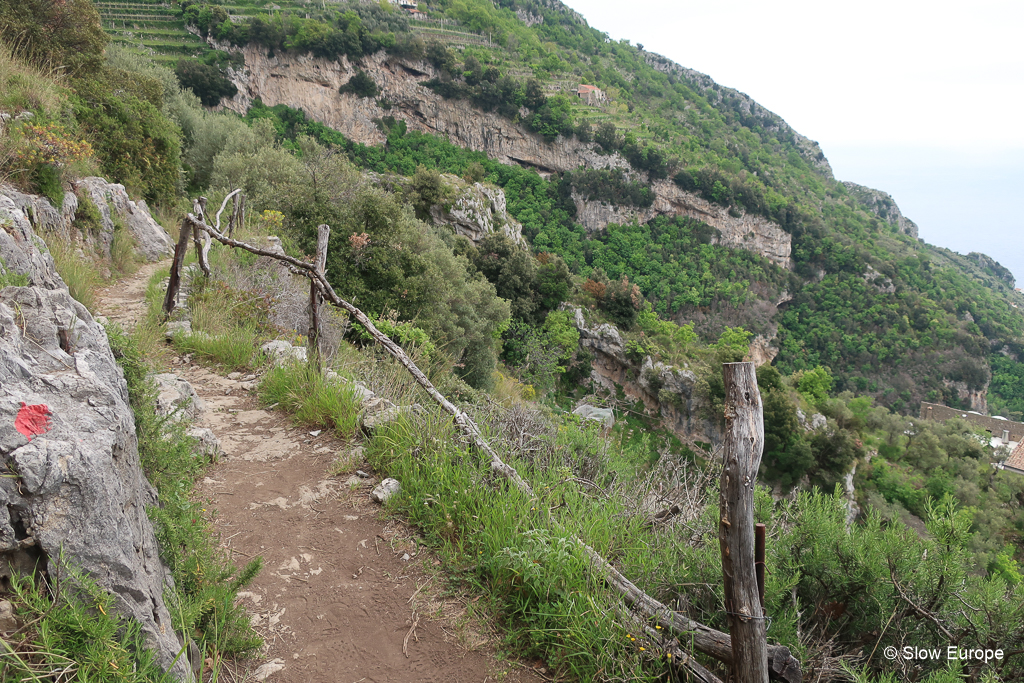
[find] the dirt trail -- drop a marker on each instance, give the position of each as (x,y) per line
(342,583)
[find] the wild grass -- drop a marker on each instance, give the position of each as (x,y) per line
(27,87)
(235,350)
(77,635)
(313,398)
(79,272)
(124,258)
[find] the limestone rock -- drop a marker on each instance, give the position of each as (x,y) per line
(478,211)
(281,352)
(882,205)
(20,250)
(8,622)
(746,231)
(175,327)
(113,202)
(176,398)
(209,444)
(377,419)
(606,416)
(817,421)
(311,83)
(385,490)
(42,214)
(67,433)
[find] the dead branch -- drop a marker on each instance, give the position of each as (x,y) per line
(782,665)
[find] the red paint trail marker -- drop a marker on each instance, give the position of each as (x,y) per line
(33,420)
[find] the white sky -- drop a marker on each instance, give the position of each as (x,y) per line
(924,100)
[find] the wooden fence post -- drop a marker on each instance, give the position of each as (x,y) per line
(174,282)
(201,249)
(233,219)
(744,442)
(315,298)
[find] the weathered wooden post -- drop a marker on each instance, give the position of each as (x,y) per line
(235,202)
(174,282)
(201,249)
(315,298)
(241,213)
(744,442)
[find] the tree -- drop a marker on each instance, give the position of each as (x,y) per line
(64,36)
(360,85)
(206,81)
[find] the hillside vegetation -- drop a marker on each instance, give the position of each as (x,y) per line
(868,322)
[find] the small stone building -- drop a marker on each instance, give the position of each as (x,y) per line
(591,94)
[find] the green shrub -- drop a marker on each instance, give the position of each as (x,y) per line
(361,85)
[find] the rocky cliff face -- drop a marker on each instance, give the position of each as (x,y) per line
(113,203)
(882,205)
(477,211)
(77,496)
(976,398)
(666,391)
(309,83)
(747,231)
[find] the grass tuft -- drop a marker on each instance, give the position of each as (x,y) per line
(80,273)
(236,350)
(313,398)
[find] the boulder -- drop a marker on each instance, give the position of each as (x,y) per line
(281,352)
(113,203)
(606,416)
(176,398)
(77,497)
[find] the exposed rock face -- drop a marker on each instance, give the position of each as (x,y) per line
(67,432)
(310,83)
(978,398)
(477,211)
(665,390)
(989,264)
(19,251)
(761,350)
(879,281)
(748,231)
(882,205)
(40,213)
(112,201)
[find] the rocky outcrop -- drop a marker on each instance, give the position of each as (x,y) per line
(477,211)
(882,205)
(976,398)
(311,84)
(879,281)
(113,203)
(79,499)
(40,212)
(746,231)
(77,496)
(666,391)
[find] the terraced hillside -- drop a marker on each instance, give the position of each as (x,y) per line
(154,28)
